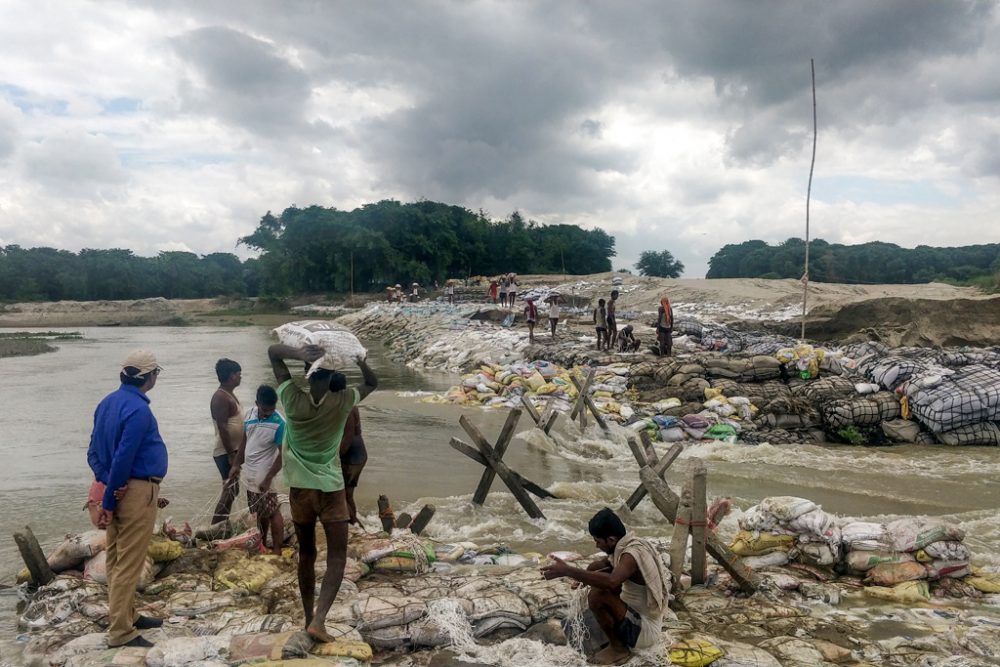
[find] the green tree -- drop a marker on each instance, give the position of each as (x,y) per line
(660,264)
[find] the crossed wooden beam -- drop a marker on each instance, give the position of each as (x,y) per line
(491,457)
(546,419)
(687,513)
(584,402)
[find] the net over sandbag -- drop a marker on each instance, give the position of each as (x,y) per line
(967,396)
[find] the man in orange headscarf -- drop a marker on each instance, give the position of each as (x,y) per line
(665,326)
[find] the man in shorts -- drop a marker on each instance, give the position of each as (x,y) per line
(259,460)
(353,454)
(311,463)
(613,319)
(531,316)
(629,591)
(554,312)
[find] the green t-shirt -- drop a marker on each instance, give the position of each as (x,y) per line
(311,456)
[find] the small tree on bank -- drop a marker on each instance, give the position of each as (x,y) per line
(659,264)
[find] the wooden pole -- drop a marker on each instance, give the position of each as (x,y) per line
(660,468)
(549,417)
(679,540)
(812,166)
(403,520)
(508,477)
(589,402)
(526,402)
(33,556)
(479,497)
(667,502)
(423,518)
(584,391)
(699,511)
(385,514)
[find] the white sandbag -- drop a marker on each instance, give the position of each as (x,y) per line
(818,554)
(773,559)
(383,611)
(866,536)
(947,550)
(342,347)
(180,651)
(862,561)
(96,569)
(75,549)
(911,534)
(955,569)
(817,522)
(786,508)
(757,520)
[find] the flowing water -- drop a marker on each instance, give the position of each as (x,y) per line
(49,402)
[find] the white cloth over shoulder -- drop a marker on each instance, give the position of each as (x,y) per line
(342,347)
(648,601)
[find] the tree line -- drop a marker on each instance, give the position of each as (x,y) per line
(873,262)
(316,249)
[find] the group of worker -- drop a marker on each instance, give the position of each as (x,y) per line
(317,446)
(503,290)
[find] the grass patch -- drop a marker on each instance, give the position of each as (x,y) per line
(23,347)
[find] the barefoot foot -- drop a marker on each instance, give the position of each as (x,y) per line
(319,633)
(610,656)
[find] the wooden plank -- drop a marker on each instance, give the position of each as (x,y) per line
(679,540)
(699,511)
(667,501)
(549,418)
(582,391)
(34,557)
(385,514)
(526,402)
(423,518)
(660,469)
(647,445)
(589,402)
(508,478)
(479,497)
(474,454)
(403,520)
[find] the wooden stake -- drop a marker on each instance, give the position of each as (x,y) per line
(549,417)
(385,514)
(403,520)
(584,391)
(479,497)
(508,477)
(589,402)
(667,502)
(660,468)
(698,524)
(474,454)
(679,540)
(423,518)
(526,402)
(34,557)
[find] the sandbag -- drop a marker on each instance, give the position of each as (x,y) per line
(249,541)
(343,648)
(341,346)
(984,582)
(745,544)
(180,651)
(866,536)
(906,592)
(786,508)
(981,434)
(890,574)
(383,611)
(911,534)
(954,569)
(96,569)
(944,550)
(249,574)
(270,646)
(162,550)
(694,653)
(773,559)
(901,430)
(862,561)
(75,549)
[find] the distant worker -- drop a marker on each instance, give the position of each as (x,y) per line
(227,420)
(530,316)
(128,457)
(390,294)
(601,325)
(260,461)
(311,464)
(512,290)
(504,288)
(353,454)
(627,341)
(665,327)
(493,291)
(628,591)
(449,291)
(554,312)
(613,317)
(415,293)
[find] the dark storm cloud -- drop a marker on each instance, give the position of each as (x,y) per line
(247,82)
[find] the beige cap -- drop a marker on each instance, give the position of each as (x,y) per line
(142,359)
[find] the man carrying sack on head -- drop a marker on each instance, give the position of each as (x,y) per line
(128,456)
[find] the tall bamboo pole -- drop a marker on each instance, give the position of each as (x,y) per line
(812,165)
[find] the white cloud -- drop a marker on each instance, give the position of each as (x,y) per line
(177,125)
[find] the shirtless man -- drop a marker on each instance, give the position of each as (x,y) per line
(629,590)
(613,318)
(227,418)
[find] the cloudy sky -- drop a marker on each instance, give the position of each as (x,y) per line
(174,125)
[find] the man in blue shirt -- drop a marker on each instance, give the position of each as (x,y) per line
(126,450)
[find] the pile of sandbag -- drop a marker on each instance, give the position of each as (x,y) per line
(861,411)
(782,528)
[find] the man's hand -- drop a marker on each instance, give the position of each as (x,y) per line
(312,353)
(557,569)
(162,502)
(234,475)
(104,518)
(265,484)
(360,359)
(120,492)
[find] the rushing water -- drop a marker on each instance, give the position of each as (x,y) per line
(49,401)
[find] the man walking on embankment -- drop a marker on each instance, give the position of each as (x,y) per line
(126,450)
(311,462)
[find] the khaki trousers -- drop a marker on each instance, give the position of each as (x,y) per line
(129,535)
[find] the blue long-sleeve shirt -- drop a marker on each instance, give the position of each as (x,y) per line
(125,442)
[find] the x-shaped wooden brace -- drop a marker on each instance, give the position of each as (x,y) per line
(546,419)
(492,458)
(584,402)
(646,456)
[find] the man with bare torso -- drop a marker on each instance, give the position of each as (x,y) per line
(227,419)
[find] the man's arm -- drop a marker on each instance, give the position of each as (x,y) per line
(371,381)
(609,581)
(241,455)
(278,353)
(265,484)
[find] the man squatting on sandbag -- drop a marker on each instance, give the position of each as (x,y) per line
(316,418)
(628,591)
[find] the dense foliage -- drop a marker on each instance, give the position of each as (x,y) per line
(873,262)
(660,264)
(313,249)
(52,275)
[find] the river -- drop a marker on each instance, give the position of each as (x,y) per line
(49,402)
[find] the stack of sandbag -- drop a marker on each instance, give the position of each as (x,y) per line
(782,528)
(861,411)
(341,346)
(823,389)
(759,368)
(958,406)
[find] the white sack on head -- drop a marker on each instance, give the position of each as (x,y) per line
(342,347)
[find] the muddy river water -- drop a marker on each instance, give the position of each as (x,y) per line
(48,401)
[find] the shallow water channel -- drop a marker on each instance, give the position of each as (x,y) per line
(48,401)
